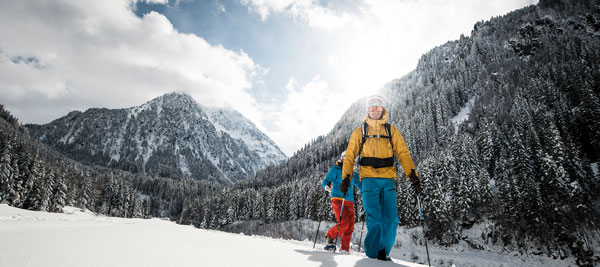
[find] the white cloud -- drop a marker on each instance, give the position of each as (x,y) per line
(309,11)
(221,7)
(308,111)
(99,54)
(163,2)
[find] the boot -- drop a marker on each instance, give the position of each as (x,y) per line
(329,244)
(382,256)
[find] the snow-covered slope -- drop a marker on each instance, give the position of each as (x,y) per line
(169,136)
(230,121)
(76,238)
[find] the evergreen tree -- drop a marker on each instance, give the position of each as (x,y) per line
(14,190)
(35,185)
(6,171)
(467,173)
(59,194)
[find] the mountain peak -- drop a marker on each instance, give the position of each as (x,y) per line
(173,98)
(176,95)
(171,135)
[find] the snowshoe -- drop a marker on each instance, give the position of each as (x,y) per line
(330,244)
(330,247)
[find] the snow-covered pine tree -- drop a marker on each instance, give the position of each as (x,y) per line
(6,170)
(59,194)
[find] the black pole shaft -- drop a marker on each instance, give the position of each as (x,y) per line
(316,235)
(320,220)
(423,226)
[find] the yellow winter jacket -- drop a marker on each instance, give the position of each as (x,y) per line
(379,148)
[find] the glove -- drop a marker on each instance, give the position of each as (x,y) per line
(345,184)
(415,181)
(328,188)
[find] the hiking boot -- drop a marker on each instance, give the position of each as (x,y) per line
(329,244)
(382,256)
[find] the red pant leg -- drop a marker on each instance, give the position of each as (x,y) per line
(347,224)
(335,204)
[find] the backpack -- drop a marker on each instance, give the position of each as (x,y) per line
(372,161)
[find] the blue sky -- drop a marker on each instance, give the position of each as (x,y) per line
(291,66)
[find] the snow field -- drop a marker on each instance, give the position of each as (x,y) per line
(78,238)
(81,238)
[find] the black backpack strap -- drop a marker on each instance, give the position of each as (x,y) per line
(365,132)
(389,133)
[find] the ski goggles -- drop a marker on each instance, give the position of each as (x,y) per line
(375,108)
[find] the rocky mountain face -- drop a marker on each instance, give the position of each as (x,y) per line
(170,136)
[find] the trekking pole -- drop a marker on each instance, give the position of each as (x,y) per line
(320,219)
(423,226)
(361,231)
(339,222)
(316,235)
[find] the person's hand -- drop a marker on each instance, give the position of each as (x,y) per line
(345,184)
(415,181)
(328,188)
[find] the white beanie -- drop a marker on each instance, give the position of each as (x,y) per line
(343,155)
(374,101)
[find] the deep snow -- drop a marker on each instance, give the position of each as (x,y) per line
(77,238)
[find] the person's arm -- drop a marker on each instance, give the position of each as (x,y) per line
(351,153)
(402,152)
(328,178)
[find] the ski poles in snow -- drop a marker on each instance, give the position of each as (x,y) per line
(339,223)
(317,234)
(319,226)
(361,232)
(421,217)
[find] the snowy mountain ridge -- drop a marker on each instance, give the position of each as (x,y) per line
(171,135)
(232,122)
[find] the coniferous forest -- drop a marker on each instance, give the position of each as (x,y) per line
(36,177)
(523,161)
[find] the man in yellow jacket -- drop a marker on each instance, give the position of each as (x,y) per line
(375,142)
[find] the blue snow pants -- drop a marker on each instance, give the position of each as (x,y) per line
(379,201)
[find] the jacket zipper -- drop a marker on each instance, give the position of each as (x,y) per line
(377,145)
